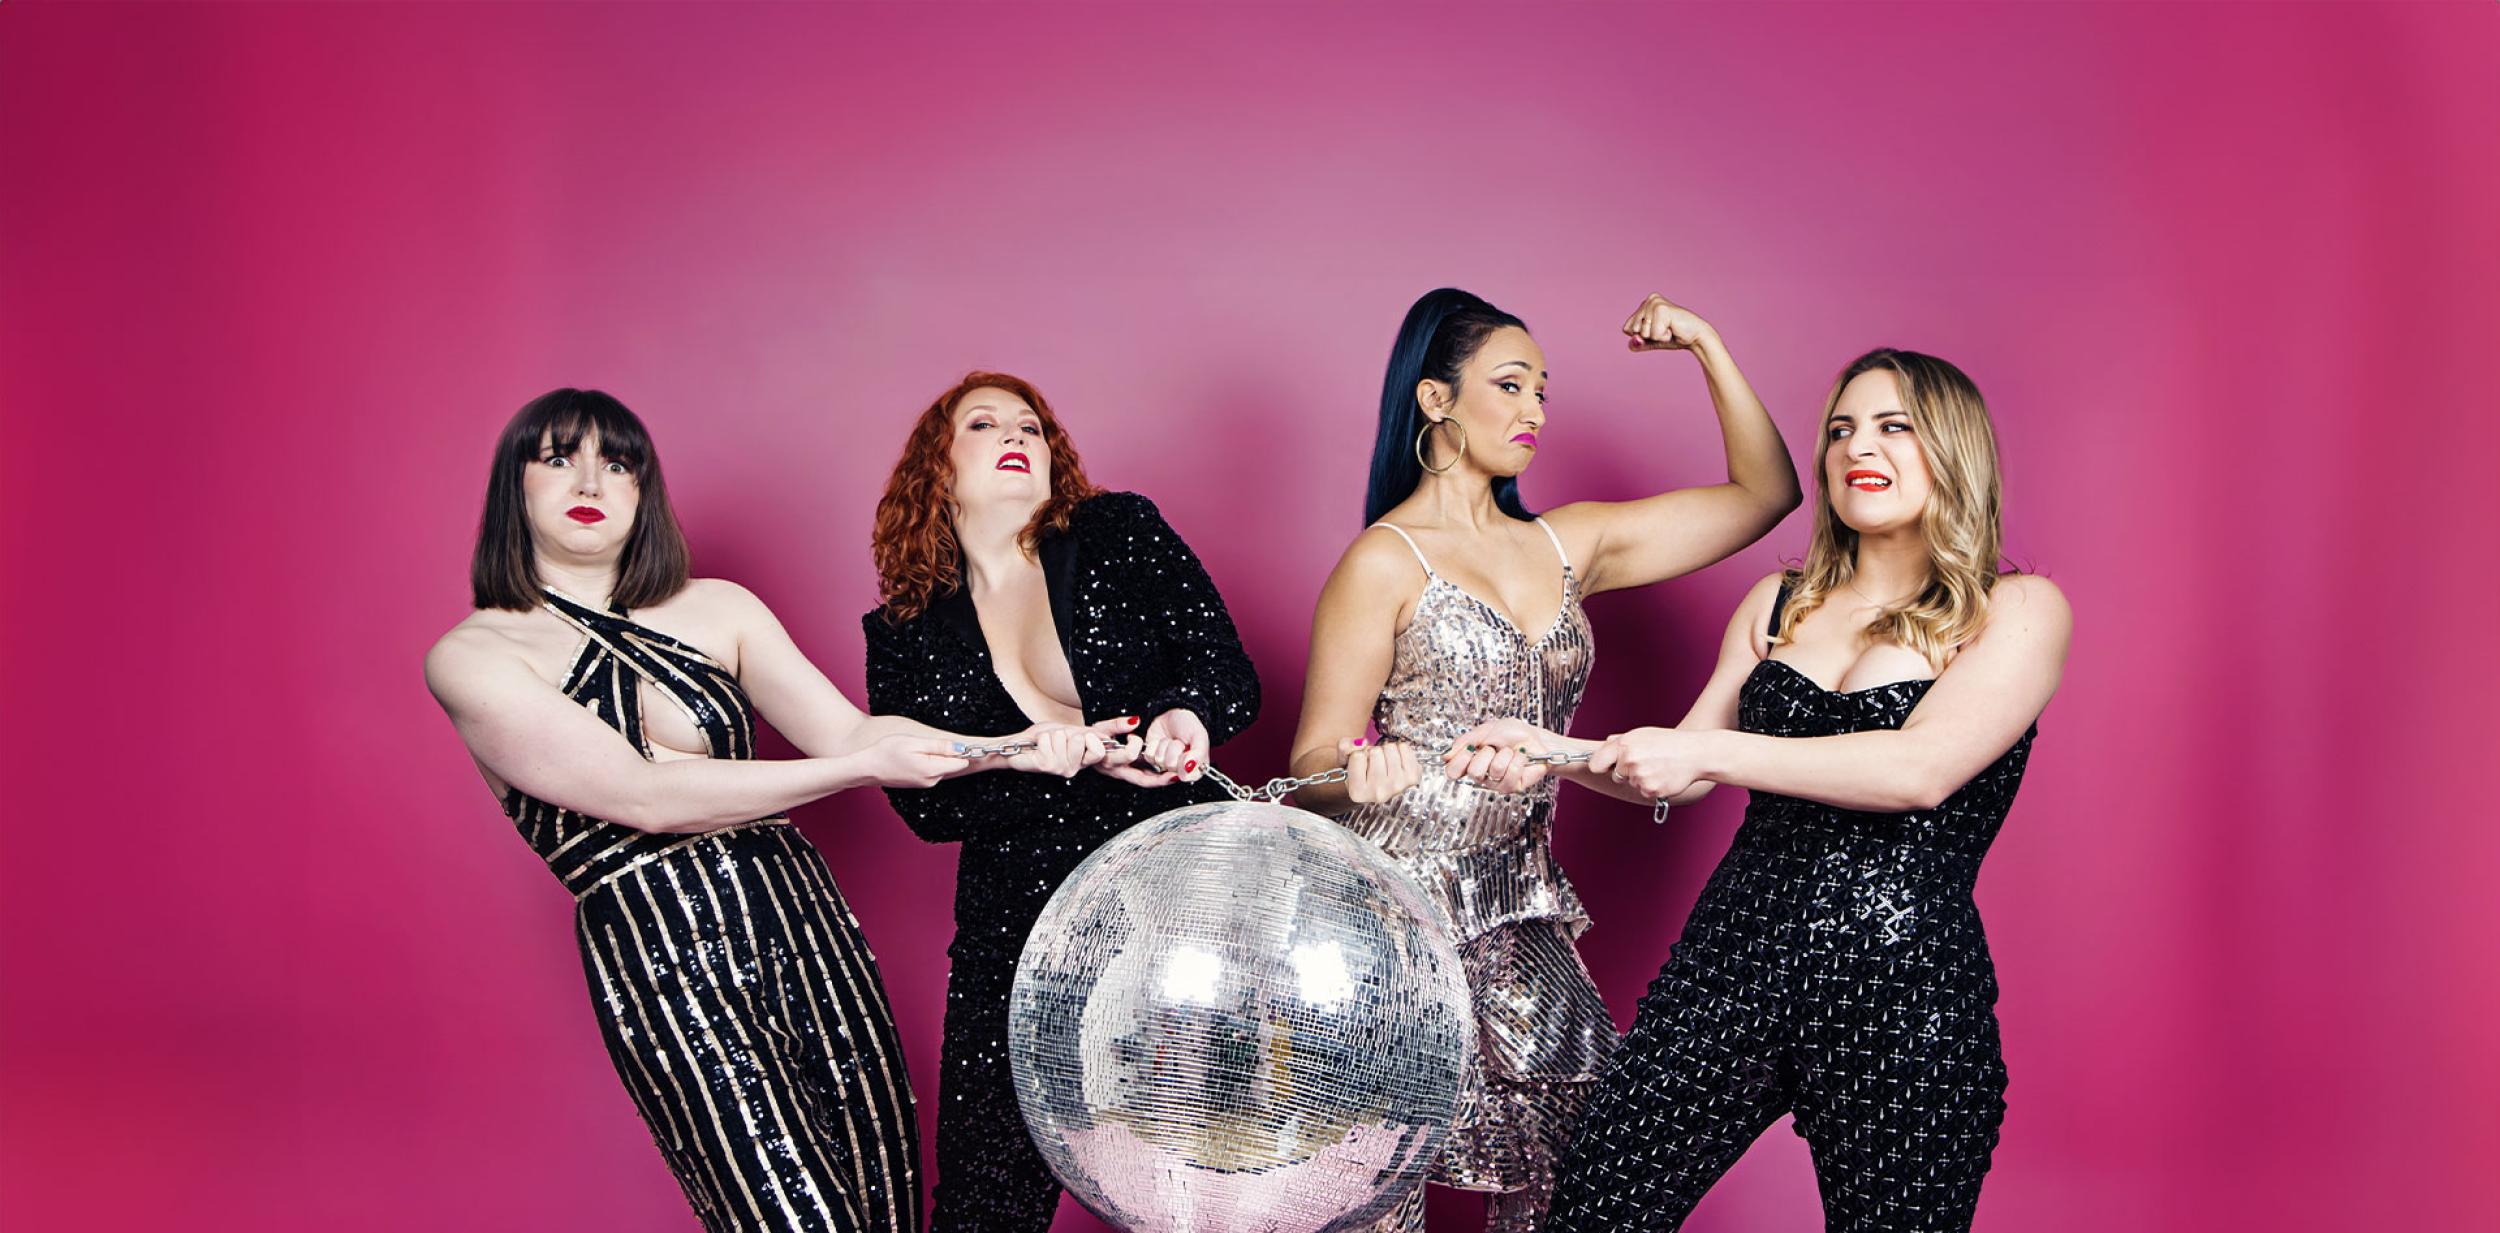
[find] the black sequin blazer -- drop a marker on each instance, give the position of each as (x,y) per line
(1144,632)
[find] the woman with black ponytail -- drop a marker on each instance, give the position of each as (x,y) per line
(1424,632)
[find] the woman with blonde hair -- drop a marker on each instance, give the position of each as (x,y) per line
(1879,703)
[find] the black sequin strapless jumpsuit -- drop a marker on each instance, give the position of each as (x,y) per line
(737,997)
(1833,968)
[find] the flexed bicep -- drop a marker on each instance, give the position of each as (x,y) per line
(1635,543)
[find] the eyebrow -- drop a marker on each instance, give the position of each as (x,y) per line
(1522,363)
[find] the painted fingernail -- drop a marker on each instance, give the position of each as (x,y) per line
(1128,719)
(1358,742)
(1193,765)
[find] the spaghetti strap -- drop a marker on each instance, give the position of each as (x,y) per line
(1558,548)
(1410,547)
(1779,604)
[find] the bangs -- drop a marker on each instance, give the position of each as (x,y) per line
(503,572)
(562,420)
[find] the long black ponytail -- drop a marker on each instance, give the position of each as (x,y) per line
(1441,333)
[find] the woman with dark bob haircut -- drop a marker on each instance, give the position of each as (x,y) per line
(1424,632)
(609,701)
(1016,592)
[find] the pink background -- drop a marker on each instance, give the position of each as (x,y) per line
(271,277)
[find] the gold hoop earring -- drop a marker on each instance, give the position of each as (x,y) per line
(1426,431)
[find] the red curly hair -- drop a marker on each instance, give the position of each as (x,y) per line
(915,550)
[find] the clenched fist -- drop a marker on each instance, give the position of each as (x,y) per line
(1660,324)
(1378,772)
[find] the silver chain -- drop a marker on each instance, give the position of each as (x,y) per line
(1279,788)
(1003,749)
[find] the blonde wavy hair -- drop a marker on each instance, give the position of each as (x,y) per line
(1962,524)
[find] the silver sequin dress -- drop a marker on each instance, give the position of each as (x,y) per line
(1486,858)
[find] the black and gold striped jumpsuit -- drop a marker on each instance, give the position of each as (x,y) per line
(739,1001)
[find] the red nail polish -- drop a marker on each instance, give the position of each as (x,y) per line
(1193,765)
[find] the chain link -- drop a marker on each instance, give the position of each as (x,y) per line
(1282,786)
(1278,788)
(1002,749)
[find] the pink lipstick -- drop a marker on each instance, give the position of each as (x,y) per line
(1526,438)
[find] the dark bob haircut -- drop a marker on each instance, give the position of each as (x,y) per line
(1441,333)
(504,571)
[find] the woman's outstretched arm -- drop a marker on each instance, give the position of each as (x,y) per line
(526,733)
(1979,706)
(794,696)
(1740,648)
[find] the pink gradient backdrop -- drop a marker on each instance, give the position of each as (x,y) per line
(271,277)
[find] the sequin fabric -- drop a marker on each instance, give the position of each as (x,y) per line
(737,998)
(1486,860)
(1144,631)
(1833,968)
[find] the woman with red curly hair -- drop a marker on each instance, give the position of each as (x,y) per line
(1015,593)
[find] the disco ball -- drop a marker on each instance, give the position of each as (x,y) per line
(1241,1018)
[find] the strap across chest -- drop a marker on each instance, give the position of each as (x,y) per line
(618,655)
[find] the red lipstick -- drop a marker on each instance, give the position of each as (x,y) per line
(1867,481)
(1014,460)
(585,515)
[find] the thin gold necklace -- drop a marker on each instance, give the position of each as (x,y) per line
(1852,584)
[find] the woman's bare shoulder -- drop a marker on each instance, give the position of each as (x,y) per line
(486,643)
